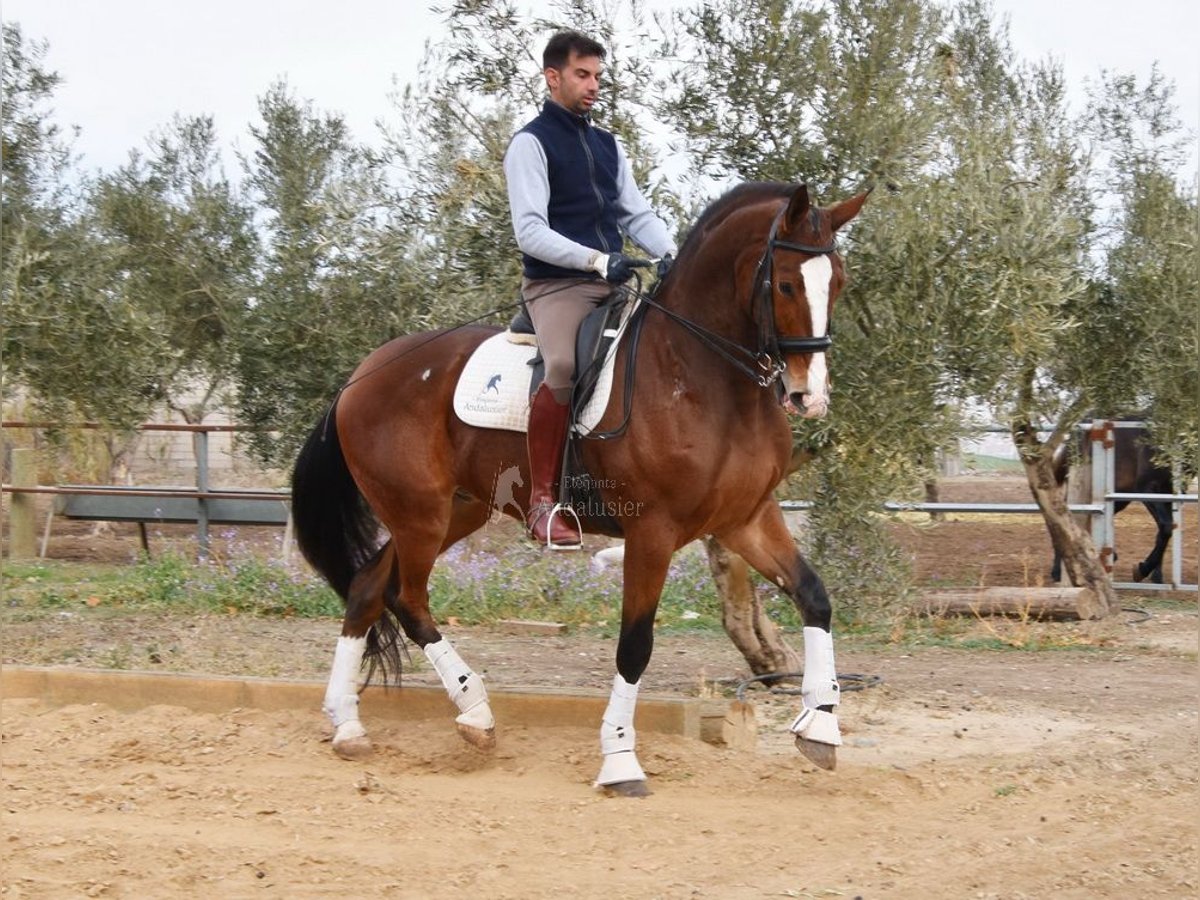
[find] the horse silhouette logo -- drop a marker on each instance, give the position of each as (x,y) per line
(494,383)
(502,491)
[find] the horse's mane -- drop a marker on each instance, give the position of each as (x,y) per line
(744,194)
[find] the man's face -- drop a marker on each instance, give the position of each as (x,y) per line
(577,84)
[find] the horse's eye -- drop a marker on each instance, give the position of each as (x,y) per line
(786,288)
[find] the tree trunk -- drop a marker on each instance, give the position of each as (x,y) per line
(1079,555)
(743,616)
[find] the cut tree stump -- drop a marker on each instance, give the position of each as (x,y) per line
(1057,603)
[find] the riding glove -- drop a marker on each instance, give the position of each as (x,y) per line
(664,266)
(617,268)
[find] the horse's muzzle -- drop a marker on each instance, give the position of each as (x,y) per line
(801,403)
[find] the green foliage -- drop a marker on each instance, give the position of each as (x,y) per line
(1151,282)
(182,249)
(322,299)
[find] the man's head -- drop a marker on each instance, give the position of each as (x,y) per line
(573,64)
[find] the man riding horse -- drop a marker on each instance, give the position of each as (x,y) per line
(572,195)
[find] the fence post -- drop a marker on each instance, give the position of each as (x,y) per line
(23,508)
(1107,481)
(200,448)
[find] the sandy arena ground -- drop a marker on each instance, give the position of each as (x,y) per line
(1006,774)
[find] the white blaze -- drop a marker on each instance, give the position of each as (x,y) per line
(818,274)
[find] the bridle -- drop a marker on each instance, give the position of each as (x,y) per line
(764,364)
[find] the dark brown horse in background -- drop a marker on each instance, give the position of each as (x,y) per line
(734,339)
(1136,471)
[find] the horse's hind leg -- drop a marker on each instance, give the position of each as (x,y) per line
(766,544)
(364,606)
(376,588)
(415,554)
(1151,566)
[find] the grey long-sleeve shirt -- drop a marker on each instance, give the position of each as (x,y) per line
(525,169)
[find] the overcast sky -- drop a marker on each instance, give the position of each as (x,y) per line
(129,65)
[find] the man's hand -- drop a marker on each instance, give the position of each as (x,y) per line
(664,266)
(617,268)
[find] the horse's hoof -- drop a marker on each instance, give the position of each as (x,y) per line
(626,789)
(479,738)
(354,748)
(823,756)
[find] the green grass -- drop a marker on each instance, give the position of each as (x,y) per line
(245,585)
(526,583)
(481,588)
(474,588)
(973,462)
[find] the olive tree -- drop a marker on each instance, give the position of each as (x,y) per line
(182,241)
(325,293)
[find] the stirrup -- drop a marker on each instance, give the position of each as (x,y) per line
(549,514)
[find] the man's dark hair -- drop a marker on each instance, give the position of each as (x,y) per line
(560,47)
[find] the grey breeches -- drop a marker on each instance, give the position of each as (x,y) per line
(557,307)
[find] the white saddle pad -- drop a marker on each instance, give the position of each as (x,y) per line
(493,390)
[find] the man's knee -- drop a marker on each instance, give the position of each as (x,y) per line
(560,370)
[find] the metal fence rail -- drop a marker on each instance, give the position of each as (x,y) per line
(1100,512)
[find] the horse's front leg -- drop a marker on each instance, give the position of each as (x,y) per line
(766,545)
(646,564)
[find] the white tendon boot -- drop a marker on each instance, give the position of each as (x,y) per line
(350,739)
(617,738)
(816,731)
(476,724)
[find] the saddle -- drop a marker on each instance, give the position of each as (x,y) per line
(506,370)
(494,388)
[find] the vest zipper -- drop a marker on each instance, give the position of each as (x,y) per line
(595,187)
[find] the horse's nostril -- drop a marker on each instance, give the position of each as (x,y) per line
(797,397)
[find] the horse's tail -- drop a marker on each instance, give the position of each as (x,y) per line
(1062,464)
(336,530)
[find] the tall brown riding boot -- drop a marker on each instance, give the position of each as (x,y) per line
(547,436)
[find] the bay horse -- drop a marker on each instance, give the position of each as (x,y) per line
(1135,472)
(733,340)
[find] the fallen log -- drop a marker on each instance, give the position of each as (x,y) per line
(1038,603)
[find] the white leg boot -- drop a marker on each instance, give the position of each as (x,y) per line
(617,737)
(817,733)
(350,739)
(475,721)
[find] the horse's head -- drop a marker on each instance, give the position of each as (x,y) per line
(798,280)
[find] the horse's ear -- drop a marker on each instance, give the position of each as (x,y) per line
(797,208)
(843,212)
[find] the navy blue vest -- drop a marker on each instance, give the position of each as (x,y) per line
(582,163)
